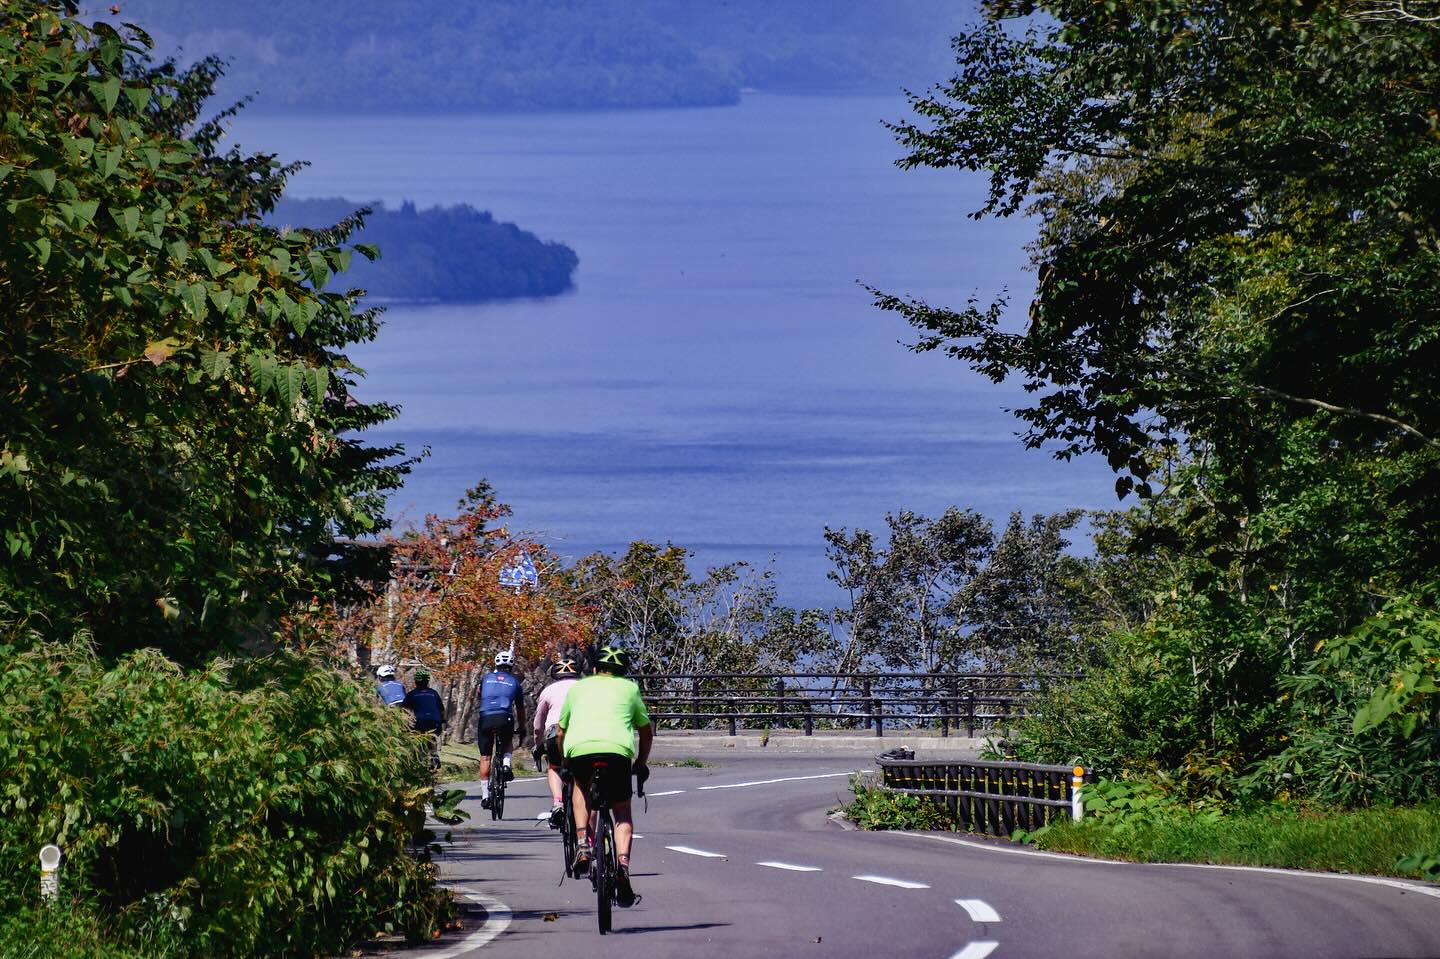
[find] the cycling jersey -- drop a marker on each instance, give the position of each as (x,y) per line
(547,707)
(498,692)
(391,692)
(427,706)
(601,714)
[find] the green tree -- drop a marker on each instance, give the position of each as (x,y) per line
(178,453)
(1237,306)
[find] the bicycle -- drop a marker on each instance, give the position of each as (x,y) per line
(497,780)
(605,862)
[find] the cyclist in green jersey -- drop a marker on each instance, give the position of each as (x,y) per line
(600,719)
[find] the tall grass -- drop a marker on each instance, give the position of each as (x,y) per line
(1370,841)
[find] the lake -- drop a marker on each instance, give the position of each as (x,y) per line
(718,378)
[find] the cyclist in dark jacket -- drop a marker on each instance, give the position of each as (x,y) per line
(428,709)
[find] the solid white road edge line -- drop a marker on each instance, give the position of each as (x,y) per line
(979,910)
(976,950)
(887,881)
(497,920)
(789,866)
(670,792)
(1067,857)
(766,782)
(687,850)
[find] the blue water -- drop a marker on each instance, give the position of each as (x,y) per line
(718,378)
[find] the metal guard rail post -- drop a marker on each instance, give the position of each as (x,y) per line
(985,796)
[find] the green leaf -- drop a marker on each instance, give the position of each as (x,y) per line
(110,161)
(46,179)
(221,299)
(42,250)
(215,363)
(319,381)
(319,269)
(138,97)
(106,92)
(5,170)
(179,250)
(291,383)
(128,218)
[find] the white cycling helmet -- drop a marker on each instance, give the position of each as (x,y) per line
(385,672)
(504,658)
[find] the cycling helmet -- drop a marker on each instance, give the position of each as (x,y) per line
(386,672)
(422,677)
(613,659)
(504,658)
(565,666)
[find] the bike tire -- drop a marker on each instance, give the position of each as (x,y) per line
(567,829)
(497,788)
(605,865)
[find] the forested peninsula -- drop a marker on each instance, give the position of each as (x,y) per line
(451,254)
(527,55)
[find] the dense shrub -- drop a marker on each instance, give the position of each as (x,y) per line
(250,809)
(876,807)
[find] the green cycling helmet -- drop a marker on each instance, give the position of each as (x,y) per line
(614,659)
(422,676)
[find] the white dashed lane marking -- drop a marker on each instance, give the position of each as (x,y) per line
(669,792)
(976,950)
(789,866)
(687,850)
(979,910)
(887,881)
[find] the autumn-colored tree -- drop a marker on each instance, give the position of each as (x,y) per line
(444,608)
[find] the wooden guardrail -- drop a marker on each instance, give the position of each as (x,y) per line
(972,702)
(984,796)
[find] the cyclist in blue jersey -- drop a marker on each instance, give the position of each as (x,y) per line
(390,690)
(500,695)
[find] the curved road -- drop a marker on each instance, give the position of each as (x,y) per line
(731,863)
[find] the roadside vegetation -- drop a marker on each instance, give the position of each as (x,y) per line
(1237,307)
(182,475)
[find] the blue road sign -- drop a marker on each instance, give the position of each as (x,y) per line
(520,573)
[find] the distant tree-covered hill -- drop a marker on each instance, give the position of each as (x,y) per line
(552,54)
(455,253)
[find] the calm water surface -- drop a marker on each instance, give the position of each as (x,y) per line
(718,377)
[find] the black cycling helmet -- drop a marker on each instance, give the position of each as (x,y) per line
(564,666)
(613,659)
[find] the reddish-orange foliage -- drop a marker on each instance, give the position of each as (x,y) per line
(445,608)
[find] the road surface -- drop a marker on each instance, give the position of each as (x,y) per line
(739,859)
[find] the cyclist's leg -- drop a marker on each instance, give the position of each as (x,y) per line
(507,737)
(580,772)
(486,742)
(624,829)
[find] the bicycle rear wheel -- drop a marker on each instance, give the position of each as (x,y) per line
(567,828)
(605,866)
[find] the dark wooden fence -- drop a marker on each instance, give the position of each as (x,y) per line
(989,797)
(967,703)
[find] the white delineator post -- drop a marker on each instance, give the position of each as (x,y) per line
(49,872)
(1077,782)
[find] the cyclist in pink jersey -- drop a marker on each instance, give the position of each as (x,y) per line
(547,714)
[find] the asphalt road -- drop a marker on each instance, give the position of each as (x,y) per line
(733,864)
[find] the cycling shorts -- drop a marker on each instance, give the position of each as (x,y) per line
(496,727)
(552,747)
(614,774)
